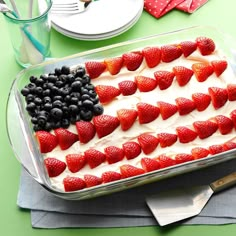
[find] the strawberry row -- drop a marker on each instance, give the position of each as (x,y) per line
(152,55)
(163,79)
(55,167)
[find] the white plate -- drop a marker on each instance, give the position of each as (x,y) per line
(99,36)
(103,18)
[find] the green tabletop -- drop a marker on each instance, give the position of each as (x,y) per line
(14,221)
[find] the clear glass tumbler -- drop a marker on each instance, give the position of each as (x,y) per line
(29,27)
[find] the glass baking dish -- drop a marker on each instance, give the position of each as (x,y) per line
(21,134)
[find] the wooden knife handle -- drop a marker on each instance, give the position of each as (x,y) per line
(224,182)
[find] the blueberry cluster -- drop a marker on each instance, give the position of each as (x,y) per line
(61,98)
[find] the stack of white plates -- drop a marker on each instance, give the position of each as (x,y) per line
(101,20)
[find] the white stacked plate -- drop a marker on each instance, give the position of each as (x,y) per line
(101,20)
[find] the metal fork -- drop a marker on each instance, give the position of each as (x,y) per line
(77,6)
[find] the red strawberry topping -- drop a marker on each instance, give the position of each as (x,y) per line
(166,139)
(110,176)
(233,117)
(127,87)
(188,47)
(231,89)
(185,134)
(127,118)
(65,138)
(215,149)
(86,131)
(152,56)
(127,171)
(92,180)
(165,161)
(182,74)
(149,164)
(75,162)
(219,96)
(145,84)
(132,60)
(113,154)
(94,157)
(219,67)
(164,79)
(54,166)
(131,149)
(73,184)
(201,100)
(202,71)
(106,93)
(47,141)
(183,157)
(166,109)
(225,124)
(148,143)
(205,129)
(95,68)
(205,45)
(170,53)
(105,124)
(147,112)
(184,105)
(229,145)
(199,152)
(114,65)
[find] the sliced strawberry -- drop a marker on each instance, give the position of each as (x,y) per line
(105,124)
(127,118)
(164,79)
(233,117)
(205,45)
(147,112)
(225,124)
(166,139)
(110,176)
(170,53)
(65,138)
(188,47)
(215,149)
(165,161)
(132,60)
(219,96)
(106,93)
(92,180)
(201,100)
(182,74)
(131,149)
(148,142)
(219,66)
(184,105)
(86,131)
(199,152)
(95,68)
(127,171)
(73,184)
(202,71)
(149,164)
(231,89)
(127,87)
(145,84)
(114,154)
(47,141)
(166,109)
(183,157)
(152,56)
(75,162)
(114,64)
(54,166)
(205,129)
(185,134)
(229,145)
(94,157)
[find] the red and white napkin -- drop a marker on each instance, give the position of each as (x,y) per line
(158,8)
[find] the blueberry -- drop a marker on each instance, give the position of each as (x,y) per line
(58,97)
(52,78)
(46,92)
(76,86)
(32,79)
(80,72)
(57,71)
(38,90)
(74,100)
(57,103)
(73,109)
(47,106)
(25,91)
(88,104)
(85,97)
(39,81)
(64,91)
(92,93)
(38,101)
(31,87)
(86,79)
(65,123)
(30,98)
(98,109)
(86,115)
(65,70)
(34,120)
(56,113)
(70,78)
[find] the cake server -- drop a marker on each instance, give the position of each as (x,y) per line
(172,206)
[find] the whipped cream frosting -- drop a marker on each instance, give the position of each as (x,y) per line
(118,137)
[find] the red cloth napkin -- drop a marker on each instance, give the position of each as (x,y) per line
(158,8)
